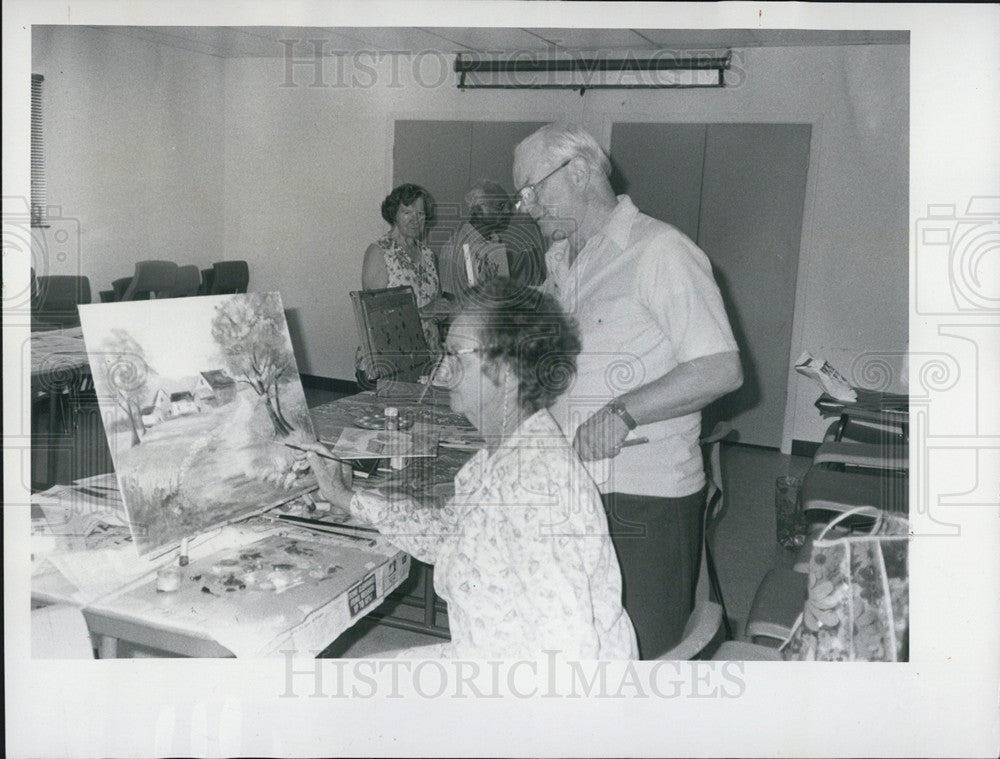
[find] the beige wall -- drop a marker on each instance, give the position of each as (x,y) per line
(133,141)
(301,171)
(306,173)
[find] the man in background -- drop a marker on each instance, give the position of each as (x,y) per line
(657,348)
(499,243)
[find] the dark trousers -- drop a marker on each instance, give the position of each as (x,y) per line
(658,543)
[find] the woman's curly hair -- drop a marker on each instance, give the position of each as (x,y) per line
(529,332)
(404,195)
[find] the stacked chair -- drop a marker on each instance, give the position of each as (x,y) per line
(165,279)
(152,279)
(55,300)
(229,277)
(186,282)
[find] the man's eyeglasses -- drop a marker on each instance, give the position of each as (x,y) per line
(528,194)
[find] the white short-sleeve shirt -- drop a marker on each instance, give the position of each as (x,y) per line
(645,300)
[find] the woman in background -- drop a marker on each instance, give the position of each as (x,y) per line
(401,256)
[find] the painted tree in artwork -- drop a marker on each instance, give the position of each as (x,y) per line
(123,365)
(250,332)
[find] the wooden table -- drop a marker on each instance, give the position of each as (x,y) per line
(200,620)
(310,617)
(179,623)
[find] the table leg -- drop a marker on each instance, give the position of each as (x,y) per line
(841,426)
(429,611)
(108,647)
(55,428)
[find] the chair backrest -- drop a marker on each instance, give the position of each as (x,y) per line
(865,431)
(393,344)
(230,277)
(120,287)
(62,292)
(151,279)
(57,299)
(33,290)
(186,282)
(207,275)
(709,613)
(715,507)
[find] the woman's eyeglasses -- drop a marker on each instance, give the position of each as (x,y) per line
(528,194)
(460,351)
(447,373)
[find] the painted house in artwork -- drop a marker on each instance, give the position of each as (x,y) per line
(214,388)
(158,410)
(182,403)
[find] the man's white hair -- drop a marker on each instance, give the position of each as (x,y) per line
(485,188)
(562,140)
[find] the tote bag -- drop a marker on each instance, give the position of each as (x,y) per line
(857,607)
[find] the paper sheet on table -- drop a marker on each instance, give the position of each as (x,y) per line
(355,443)
(79,510)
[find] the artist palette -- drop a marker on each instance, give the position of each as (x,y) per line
(273,566)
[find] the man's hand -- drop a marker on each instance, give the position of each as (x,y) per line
(601,436)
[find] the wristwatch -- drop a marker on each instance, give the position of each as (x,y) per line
(617,407)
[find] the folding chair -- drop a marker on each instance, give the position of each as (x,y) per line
(57,300)
(229,277)
(186,282)
(709,613)
(152,279)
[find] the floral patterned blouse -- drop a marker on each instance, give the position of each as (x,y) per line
(521,552)
(422,277)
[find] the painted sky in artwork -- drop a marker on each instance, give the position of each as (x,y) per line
(177,342)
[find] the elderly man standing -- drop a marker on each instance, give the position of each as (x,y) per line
(657,348)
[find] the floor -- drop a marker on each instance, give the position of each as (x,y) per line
(745,545)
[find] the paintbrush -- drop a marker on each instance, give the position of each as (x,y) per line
(323,523)
(322,528)
(430,379)
(325,454)
(635,441)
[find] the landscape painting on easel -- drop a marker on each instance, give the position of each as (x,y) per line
(199,397)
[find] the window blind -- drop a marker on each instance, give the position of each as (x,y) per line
(39,198)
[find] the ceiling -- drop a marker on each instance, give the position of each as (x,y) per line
(266,41)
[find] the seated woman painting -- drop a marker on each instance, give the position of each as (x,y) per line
(521,551)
